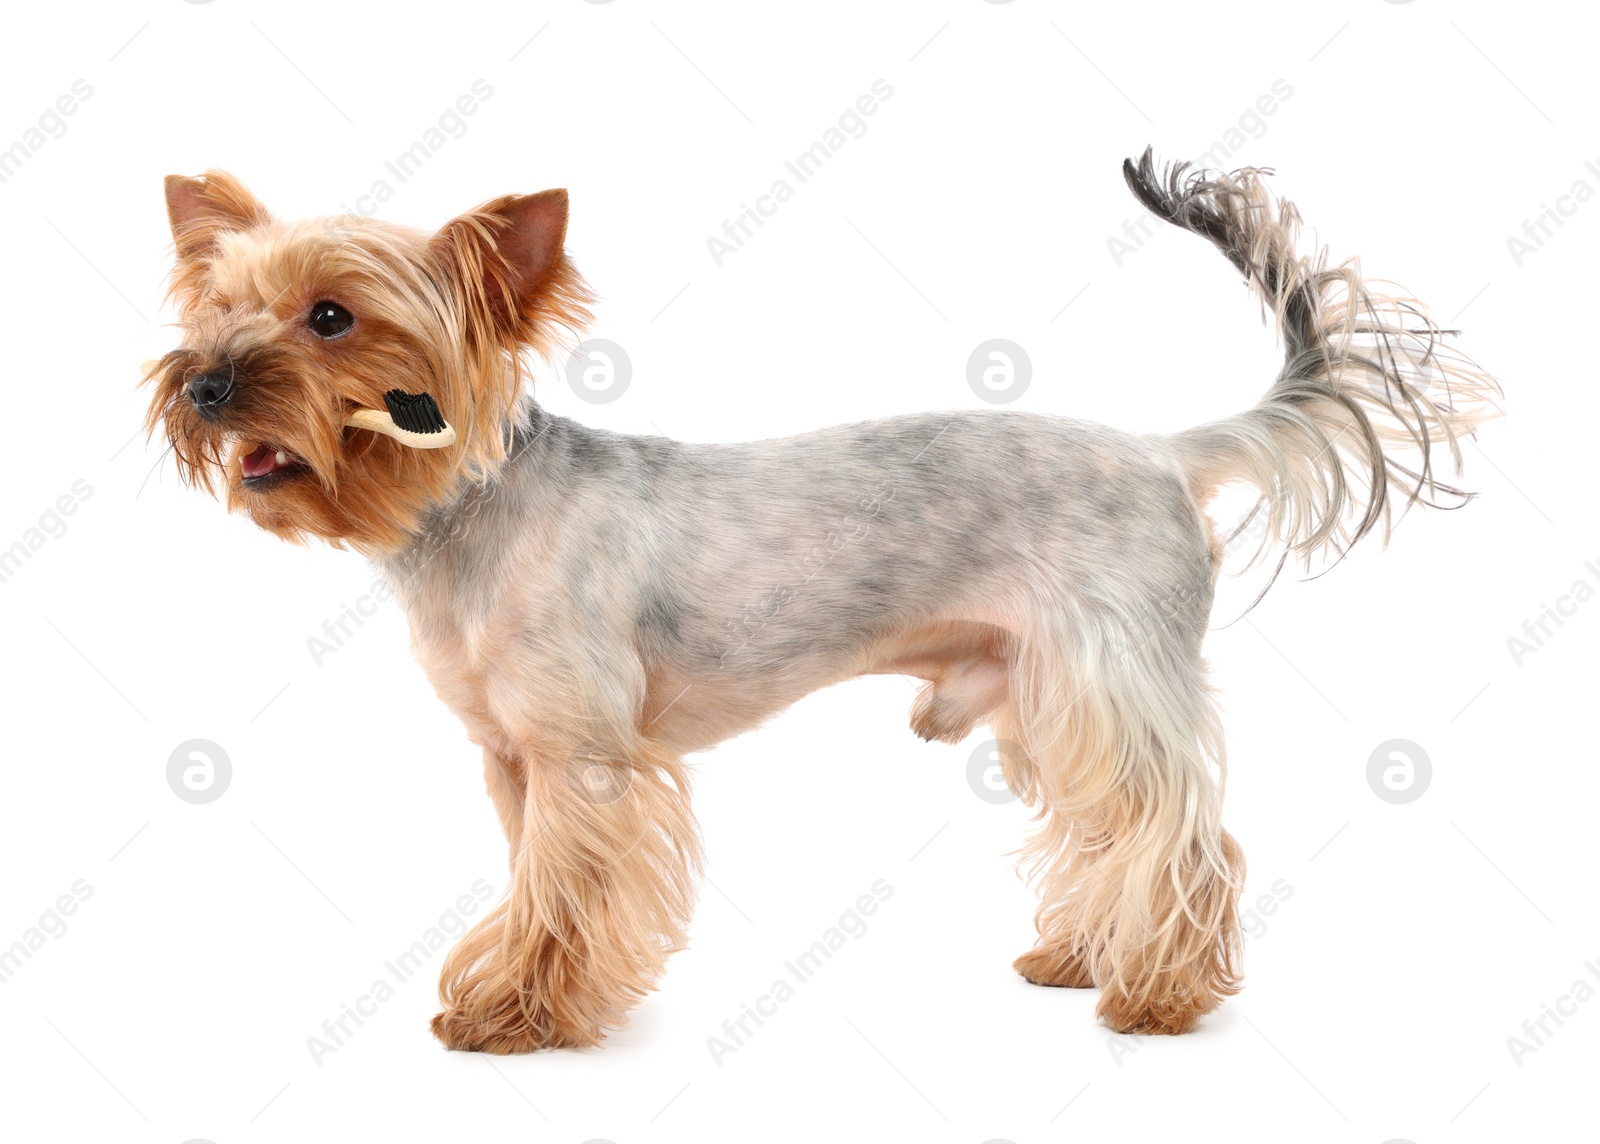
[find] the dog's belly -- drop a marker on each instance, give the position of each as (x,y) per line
(964,661)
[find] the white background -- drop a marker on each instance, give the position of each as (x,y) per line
(218,938)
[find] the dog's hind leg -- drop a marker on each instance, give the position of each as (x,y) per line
(1054,855)
(1116,739)
(601,887)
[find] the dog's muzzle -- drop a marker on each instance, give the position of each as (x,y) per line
(209,392)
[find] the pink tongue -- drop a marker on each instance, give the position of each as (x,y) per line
(260,462)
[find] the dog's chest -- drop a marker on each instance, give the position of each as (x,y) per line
(471,654)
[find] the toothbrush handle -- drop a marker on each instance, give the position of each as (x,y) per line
(379,421)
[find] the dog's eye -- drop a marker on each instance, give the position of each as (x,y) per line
(329,319)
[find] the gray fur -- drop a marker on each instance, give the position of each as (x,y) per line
(781,564)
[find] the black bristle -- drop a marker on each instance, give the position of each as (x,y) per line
(416,412)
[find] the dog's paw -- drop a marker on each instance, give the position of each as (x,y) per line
(1170,1015)
(504,1033)
(1054,965)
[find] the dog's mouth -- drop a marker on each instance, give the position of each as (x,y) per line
(268,465)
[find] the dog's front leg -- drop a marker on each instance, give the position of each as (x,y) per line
(503,779)
(601,887)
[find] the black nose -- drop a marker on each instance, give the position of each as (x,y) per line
(210,392)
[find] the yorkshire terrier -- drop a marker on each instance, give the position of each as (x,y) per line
(595,606)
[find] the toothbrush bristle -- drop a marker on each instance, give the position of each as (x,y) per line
(414,412)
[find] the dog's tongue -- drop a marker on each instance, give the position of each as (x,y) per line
(262,460)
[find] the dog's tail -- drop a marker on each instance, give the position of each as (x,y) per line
(1368,393)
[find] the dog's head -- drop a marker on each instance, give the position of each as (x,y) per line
(288,328)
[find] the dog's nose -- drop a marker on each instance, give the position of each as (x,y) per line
(210,392)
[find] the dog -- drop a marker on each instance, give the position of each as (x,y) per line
(595,606)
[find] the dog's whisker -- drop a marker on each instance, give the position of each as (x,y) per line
(165,453)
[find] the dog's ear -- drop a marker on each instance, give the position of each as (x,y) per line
(200,209)
(508,257)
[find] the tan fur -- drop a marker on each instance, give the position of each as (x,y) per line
(243,284)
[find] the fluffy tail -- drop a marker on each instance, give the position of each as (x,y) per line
(1368,392)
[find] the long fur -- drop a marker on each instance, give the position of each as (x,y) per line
(243,283)
(1369,390)
(595,607)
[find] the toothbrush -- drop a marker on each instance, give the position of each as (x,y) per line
(413,419)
